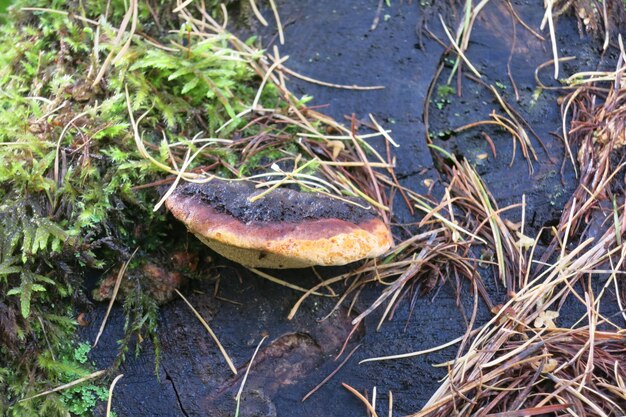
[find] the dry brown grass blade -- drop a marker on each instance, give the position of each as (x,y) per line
(284,283)
(417,353)
(279,25)
(313,290)
(61,12)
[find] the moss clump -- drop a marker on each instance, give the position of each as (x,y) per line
(69,165)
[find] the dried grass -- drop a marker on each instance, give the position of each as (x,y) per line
(521,362)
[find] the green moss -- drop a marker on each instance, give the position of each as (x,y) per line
(69,166)
(444,94)
(63,362)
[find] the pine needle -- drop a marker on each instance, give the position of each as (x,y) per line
(257,13)
(333,373)
(110,400)
(279,25)
(116,289)
(360,396)
(213,335)
(66,386)
(245,377)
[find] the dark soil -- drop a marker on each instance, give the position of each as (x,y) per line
(332,41)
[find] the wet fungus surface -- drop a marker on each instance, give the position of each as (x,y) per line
(283,229)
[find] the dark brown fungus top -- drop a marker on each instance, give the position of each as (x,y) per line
(280,205)
(283,229)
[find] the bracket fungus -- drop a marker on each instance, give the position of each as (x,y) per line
(282,229)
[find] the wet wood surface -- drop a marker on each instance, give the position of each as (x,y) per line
(332,41)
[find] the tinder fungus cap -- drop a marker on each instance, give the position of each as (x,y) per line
(283,229)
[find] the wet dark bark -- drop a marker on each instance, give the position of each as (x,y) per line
(331,40)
